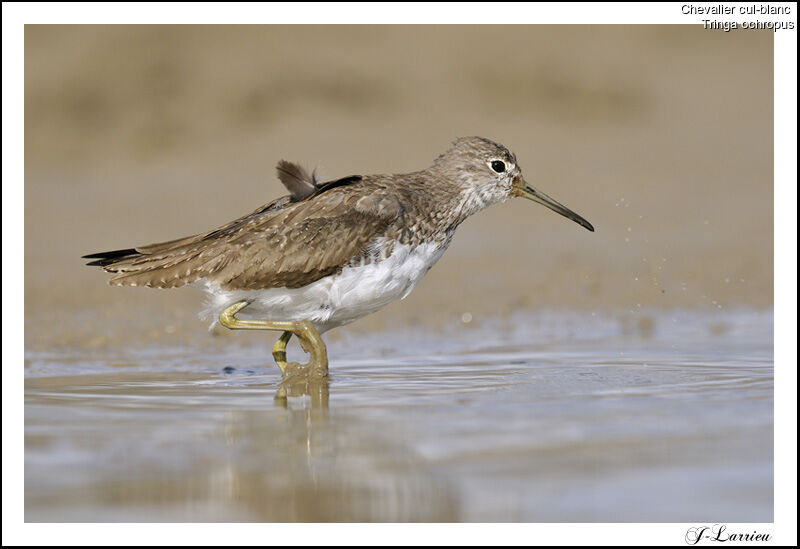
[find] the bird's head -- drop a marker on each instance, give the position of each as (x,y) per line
(486,173)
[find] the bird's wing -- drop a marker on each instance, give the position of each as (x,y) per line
(287,247)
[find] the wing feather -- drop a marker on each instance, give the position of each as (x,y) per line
(285,244)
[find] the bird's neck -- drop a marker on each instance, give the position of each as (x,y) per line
(444,203)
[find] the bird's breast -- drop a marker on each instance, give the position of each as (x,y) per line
(371,284)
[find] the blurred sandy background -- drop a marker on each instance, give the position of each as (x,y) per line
(661,136)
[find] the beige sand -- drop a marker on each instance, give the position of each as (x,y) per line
(661,136)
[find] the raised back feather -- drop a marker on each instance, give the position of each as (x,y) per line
(296,180)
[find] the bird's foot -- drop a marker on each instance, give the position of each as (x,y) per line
(307,335)
(317,366)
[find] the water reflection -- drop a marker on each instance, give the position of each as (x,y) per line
(312,465)
(505,431)
(191,448)
(317,389)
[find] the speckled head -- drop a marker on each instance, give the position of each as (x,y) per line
(487,173)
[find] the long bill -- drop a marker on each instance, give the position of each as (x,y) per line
(521,188)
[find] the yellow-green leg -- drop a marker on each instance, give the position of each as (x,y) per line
(279,349)
(307,335)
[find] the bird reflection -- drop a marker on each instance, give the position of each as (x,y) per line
(296,386)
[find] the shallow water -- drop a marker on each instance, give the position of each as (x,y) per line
(139,134)
(547,417)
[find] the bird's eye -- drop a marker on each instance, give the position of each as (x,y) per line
(498,166)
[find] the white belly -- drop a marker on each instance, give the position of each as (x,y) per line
(338,299)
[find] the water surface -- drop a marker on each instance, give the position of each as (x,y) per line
(537,417)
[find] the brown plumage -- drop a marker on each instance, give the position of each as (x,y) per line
(320,228)
(289,242)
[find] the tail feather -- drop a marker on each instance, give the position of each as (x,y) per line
(107,258)
(163,272)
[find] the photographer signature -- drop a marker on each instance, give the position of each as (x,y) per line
(718,532)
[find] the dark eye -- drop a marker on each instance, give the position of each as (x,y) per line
(498,166)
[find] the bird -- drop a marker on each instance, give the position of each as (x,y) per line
(330,252)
